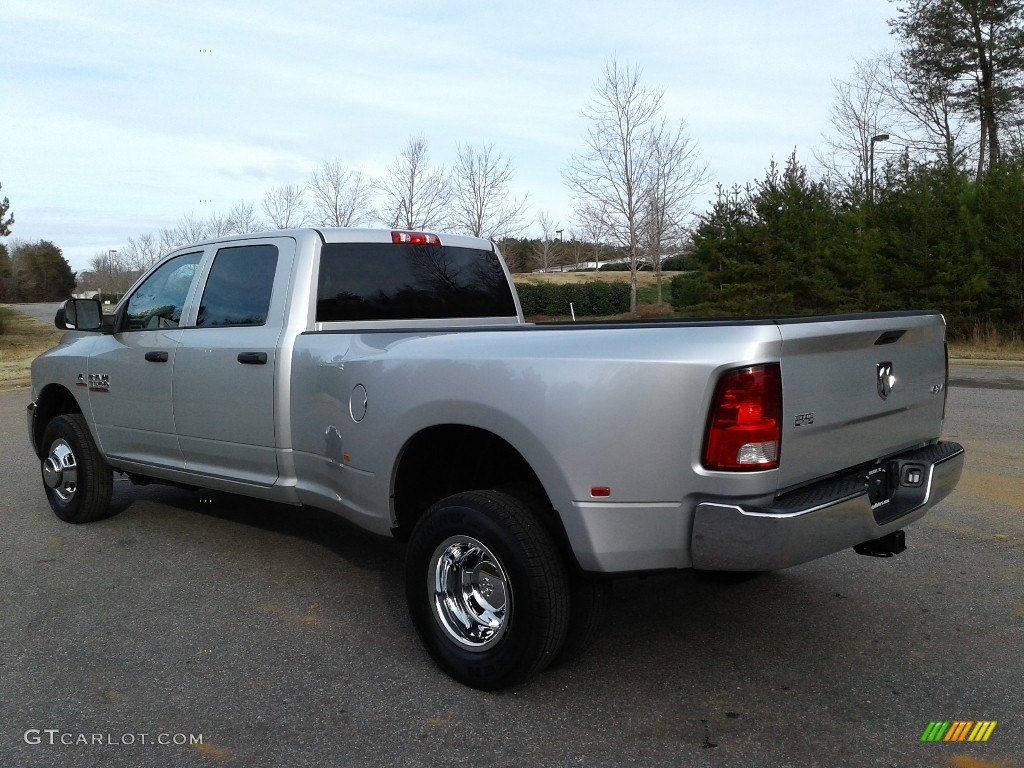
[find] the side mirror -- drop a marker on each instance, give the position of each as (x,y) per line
(79,315)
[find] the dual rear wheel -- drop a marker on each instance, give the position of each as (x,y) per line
(490,595)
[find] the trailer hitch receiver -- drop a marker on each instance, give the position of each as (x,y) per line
(886,546)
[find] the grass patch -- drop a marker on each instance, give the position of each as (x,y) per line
(644,279)
(987,343)
(969,350)
(22,339)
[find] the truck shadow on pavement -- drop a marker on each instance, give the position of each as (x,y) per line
(774,634)
(325,529)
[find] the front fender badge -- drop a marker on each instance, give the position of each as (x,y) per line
(99,382)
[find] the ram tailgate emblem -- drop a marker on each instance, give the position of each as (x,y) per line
(886,380)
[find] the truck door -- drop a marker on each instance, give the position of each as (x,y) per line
(129,376)
(226,365)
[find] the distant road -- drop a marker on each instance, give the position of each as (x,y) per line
(44,312)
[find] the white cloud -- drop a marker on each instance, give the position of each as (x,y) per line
(116,114)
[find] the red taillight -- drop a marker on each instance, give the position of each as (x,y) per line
(415,238)
(744,429)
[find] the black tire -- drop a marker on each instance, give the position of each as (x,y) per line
(77,481)
(508,617)
(591,599)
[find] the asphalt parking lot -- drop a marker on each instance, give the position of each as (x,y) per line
(280,638)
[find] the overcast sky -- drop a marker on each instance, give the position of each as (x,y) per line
(119,118)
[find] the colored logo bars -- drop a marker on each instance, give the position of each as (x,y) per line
(959,730)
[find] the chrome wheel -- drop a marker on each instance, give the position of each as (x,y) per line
(490,614)
(77,481)
(60,471)
(469,592)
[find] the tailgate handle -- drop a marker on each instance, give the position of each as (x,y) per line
(156,357)
(252,358)
(889,337)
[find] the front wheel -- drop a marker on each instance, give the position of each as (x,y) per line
(487,591)
(77,481)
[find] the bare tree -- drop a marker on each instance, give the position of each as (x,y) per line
(138,253)
(482,204)
(191,229)
(218,225)
(170,238)
(415,195)
(101,275)
(577,248)
(613,176)
(284,207)
(547,232)
(928,120)
(862,109)
(590,222)
(243,218)
(186,231)
(113,271)
(341,197)
(917,110)
(674,177)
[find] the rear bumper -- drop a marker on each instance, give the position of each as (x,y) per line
(823,518)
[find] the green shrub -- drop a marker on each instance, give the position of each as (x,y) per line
(687,290)
(682,263)
(593,299)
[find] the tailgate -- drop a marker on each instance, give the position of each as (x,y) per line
(858,389)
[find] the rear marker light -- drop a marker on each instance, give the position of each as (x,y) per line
(415,238)
(744,432)
(600,492)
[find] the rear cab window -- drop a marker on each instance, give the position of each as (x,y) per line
(388,281)
(239,288)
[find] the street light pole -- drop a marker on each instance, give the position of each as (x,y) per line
(871,169)
(110,266)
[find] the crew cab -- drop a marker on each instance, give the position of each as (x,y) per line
(390,377)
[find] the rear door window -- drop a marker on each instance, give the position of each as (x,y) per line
(239,287)
(387,281)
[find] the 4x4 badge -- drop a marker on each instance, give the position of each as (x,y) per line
(886,380)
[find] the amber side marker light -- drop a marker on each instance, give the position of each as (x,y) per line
(744,431)
(415,238)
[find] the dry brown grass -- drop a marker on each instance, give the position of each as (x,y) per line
(24,338)
(644,279)
(962,350)
(987,343)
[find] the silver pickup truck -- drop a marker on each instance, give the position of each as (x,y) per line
(390,377)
